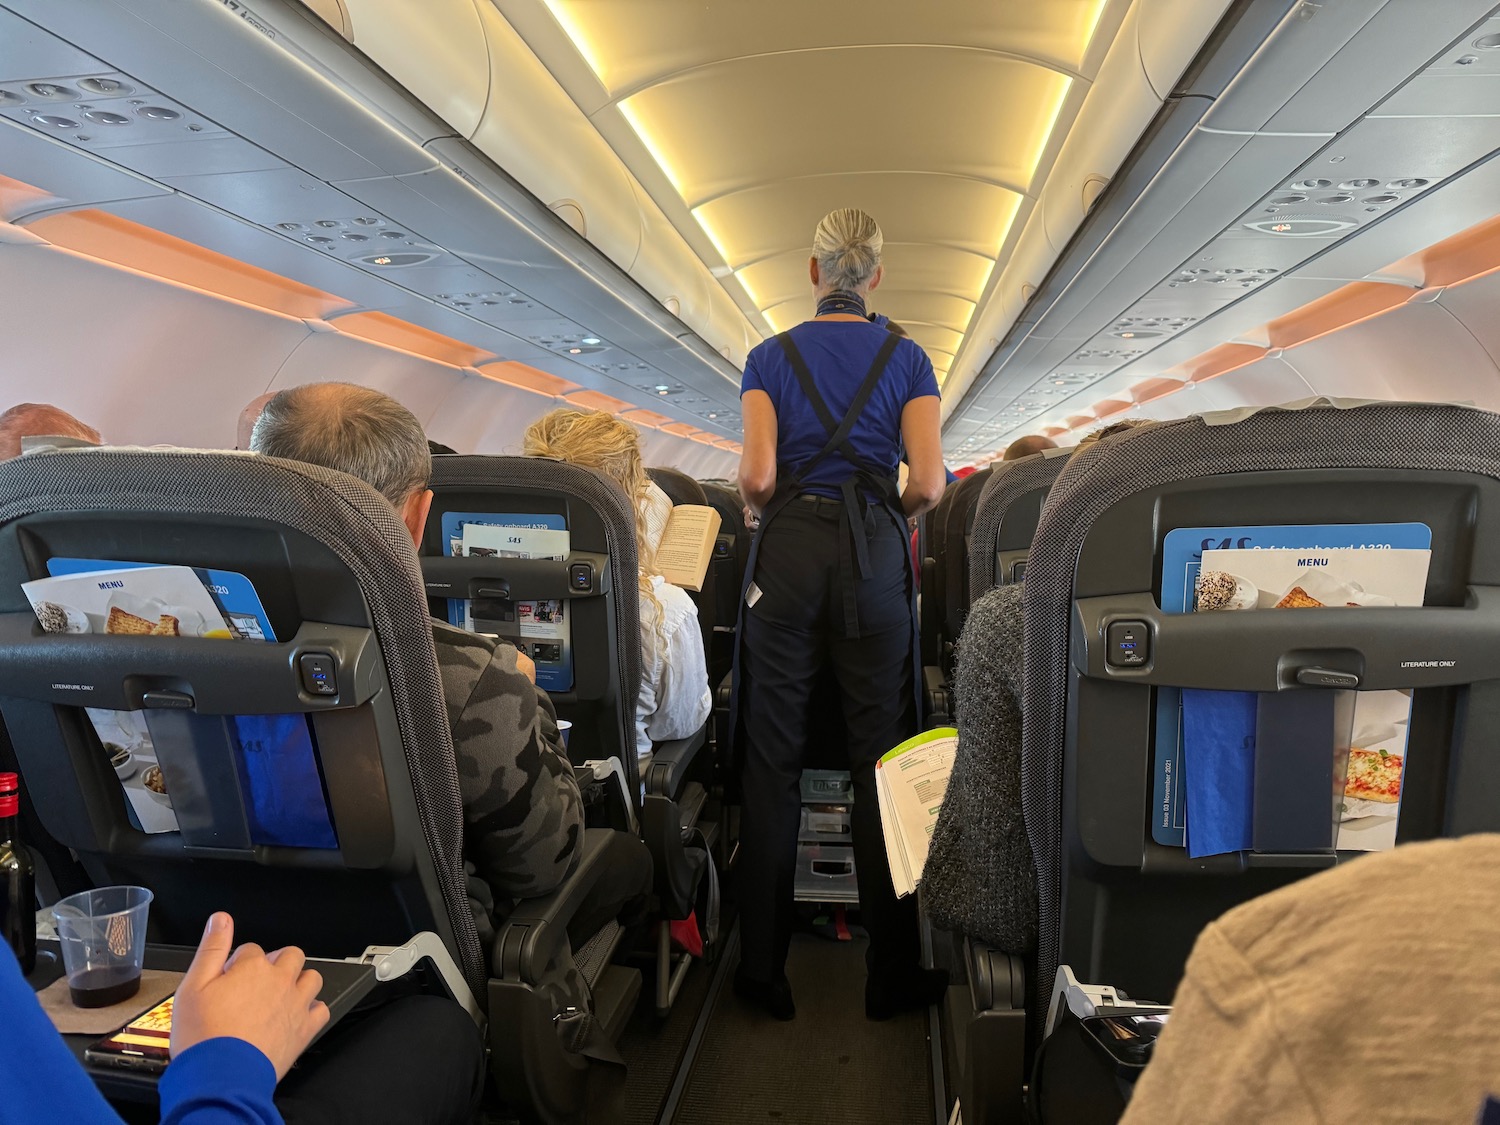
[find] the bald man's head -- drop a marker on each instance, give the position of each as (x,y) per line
(39,419)
(1026,446)
(248,417)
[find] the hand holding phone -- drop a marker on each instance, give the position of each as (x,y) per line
(268,1000)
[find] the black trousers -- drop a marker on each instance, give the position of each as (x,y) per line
(794,631)
(418,1060)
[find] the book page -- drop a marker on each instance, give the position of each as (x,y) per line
(687,544)
(901,877)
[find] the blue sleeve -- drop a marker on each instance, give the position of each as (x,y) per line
(219,1082)
(751,380)
(923,378)
(40,1080)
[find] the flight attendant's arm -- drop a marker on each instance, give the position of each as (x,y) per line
(924,454)
(758,461)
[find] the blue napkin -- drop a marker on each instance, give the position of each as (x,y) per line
(1218,757)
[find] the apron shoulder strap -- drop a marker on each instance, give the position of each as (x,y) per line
(838,432)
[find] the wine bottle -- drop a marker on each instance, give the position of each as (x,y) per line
(17,878)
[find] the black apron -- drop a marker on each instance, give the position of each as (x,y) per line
(854,553)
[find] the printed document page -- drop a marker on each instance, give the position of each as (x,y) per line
(912,780)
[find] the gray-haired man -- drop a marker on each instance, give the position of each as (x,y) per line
(523,814)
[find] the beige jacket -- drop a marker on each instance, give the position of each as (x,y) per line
(1366,994)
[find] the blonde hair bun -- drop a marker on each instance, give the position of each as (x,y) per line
(847,245)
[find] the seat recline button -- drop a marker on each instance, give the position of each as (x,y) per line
(318,676)
(1129,644)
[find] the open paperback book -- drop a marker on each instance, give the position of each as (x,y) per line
(687,545)
(910,782)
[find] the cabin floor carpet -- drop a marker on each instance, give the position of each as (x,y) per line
(829,1066)
(653,1048)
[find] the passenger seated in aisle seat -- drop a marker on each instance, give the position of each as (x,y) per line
(675,700)
(523,813)
(1362,994)
(239,1023)
(980,879)
(1026,446)
(39,419)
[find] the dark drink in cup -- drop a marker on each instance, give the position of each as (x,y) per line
(99,988)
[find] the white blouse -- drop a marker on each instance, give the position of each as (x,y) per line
(675,698)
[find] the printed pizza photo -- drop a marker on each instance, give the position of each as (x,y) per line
(1374,775)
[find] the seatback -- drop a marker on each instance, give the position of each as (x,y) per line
(336,574)
(731,556)
(1116,904)
(934,573)
(1005,520)
(954,560)
(593,672)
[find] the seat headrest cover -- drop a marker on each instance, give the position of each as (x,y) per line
(1239,413)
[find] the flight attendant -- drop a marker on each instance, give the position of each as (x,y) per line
(828,409)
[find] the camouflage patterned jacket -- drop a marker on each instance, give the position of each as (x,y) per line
(523,813)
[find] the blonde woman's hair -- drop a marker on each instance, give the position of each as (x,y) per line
(847,245)
(600,441)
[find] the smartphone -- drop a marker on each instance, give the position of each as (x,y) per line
(1128,1039)
(143,1044)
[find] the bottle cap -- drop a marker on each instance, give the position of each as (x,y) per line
(10,782)
(10,790)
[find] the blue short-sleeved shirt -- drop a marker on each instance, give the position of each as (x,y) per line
(839,354)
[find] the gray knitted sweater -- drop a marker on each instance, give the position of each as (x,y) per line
(980,879)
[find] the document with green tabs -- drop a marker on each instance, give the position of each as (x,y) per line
(910,782)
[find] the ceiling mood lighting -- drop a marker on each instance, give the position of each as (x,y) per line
(937,119)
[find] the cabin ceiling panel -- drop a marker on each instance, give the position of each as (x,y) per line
(749,122)
(717,137)
(637,44)
(70,178)
(928,208)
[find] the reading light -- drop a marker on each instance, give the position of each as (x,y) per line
(592,341)
(381,261)
(575,351)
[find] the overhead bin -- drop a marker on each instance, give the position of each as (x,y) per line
(464,61)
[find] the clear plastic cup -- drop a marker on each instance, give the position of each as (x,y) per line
(103,937)
(563,728)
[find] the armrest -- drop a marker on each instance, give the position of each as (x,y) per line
(724,694)
(997,980)
(934,679)
(538,927)
(671,761)
(937,694)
